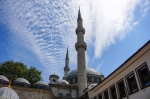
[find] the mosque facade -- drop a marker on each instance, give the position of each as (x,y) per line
(131,80)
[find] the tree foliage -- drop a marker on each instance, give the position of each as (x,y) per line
(13,70)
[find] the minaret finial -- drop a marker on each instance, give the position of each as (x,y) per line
(67,56)
(79,15)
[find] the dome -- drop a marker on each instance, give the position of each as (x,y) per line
(54,75)
(21,80)
(91,86)
(8,93)
(89,71)
(4,78)
(63,81)
(41,83)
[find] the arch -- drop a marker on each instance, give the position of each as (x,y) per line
(60,95)
(67,95)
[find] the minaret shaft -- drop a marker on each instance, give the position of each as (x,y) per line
(81,61)
(66,68)
(80,37)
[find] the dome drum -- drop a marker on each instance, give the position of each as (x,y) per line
(92,76)
(89,71)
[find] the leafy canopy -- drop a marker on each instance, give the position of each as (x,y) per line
(13,70)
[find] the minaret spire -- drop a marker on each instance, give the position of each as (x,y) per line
(67,57)
(79,15)
(81,48)
(66,68)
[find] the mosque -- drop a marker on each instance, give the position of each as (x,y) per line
(131,80)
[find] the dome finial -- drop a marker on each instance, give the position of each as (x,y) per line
(9,85)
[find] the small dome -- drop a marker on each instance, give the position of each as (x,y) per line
(41,83)
(21,80)
(4,78)
(54,75)
(91,86)
(8,93)
(89,71)
(63,81)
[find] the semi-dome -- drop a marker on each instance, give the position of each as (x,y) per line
(41,83)
(21,80)
(89,71)
(4,78)
(63,81)
(8,93)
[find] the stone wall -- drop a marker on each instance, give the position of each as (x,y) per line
(64,90)
(32,93)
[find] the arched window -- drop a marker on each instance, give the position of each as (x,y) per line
(60,95)
(67,95)
(53,81)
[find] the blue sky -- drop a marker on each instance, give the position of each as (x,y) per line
(38,32)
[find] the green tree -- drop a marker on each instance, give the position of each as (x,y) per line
(13,70)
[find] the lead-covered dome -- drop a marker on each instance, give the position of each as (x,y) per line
(89,71)
(4,78)
(41,83)
(21,80)
(63,82)
(8,93)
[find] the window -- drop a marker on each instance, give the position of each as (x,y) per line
(106,94)
(54,81)
(113,92)
(96,79)
(89,79)
(76,79)
(144,75)
(121,89)
(71,80)
(132,83)
(100,96)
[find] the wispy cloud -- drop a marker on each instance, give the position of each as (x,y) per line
(46,28)
(145,6)
(99,66)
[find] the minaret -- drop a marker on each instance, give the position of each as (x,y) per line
(80,48)
(66,68)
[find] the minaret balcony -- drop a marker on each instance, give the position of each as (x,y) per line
(66,68)
(80,29)
(80,44)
